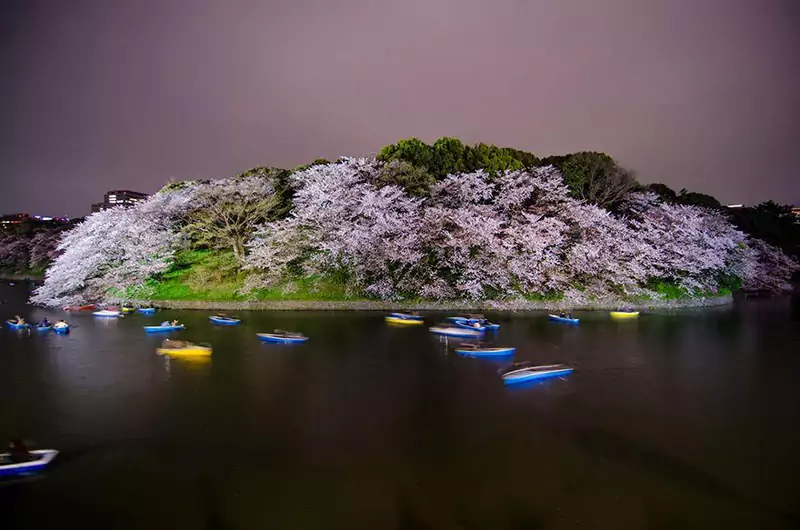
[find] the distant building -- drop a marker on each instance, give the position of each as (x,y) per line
(31,220)
(118,198)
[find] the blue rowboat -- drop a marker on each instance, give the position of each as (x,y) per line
(146,310)
(467,324)
(486,352)
(162,329)
(282,337)
(39,460)
(456,332)
(14,325)
(43,328)
(565,320)
(224,321)
(532,373)
(61,330)
(469,321)
(405,316)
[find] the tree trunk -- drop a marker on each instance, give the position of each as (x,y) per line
(238,250)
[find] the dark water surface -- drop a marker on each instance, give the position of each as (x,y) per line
(682,420)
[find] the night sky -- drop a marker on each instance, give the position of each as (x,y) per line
(108,94)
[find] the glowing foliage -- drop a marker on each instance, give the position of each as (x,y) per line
(114,249)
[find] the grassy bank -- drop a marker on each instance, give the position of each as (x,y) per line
(453,306)
(207,276)
(210,280)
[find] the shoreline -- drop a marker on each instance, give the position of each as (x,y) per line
(376,305)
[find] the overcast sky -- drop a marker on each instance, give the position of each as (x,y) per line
(111,94)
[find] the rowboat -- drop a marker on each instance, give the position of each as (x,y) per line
(107,313)
(181,348)
(163,329)
(79,308)
(43,328)
(285,337)
(565,320)
(40,459)
(469,320)
(61,329)
(128,309)
(224,321)
(413,321)
(146,310)
(406,316)
(469,324)
(624,314)
(452,331)
(13,324)
(524,374)
(485,351)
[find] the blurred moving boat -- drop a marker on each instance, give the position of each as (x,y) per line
(39,460)
(224,321)
(452,331)
(13,324)
(565,320)
(162,328)
(405,319)
(107,313)
(146,310)
(79,308)
(476,350)
(469,321)
(624,314)
(281,336)
(524,372)
(179,348)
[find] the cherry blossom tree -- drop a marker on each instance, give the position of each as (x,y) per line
(116,249)
(14,252)
(472,235)
(767,269)
(227,211)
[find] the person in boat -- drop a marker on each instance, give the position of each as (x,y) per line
(45,323)
(19,320)
(569,315)
(61,324)
(174,323)
(18,452)
(165,324)
(562,315)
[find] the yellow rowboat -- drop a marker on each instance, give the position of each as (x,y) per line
(624,314)
(128,309)
(405,321)
(188,350)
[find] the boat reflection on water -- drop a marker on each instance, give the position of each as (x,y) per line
(184,364)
